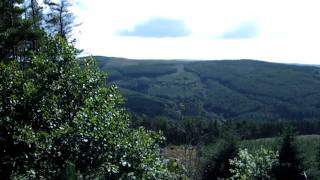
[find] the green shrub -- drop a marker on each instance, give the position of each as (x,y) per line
(57,117)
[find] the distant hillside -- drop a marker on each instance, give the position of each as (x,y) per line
(232,89)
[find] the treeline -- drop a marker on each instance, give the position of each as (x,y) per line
(284,157)
(195,130)
(269,150)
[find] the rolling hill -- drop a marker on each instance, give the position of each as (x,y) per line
(231,89)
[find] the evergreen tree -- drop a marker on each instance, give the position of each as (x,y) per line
(219,164)
(11,25)
(318,157)
(59,19)
(35,16)
(290,165)
(17,31)
(35,11)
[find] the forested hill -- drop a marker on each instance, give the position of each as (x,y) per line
(233,89)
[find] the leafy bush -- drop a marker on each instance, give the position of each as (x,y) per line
(256,165)
(57,113)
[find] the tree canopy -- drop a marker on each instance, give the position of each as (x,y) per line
(59,110)
(58,116)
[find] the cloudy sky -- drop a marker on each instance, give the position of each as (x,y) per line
(272,30)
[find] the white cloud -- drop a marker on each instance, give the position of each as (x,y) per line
(158,27)
(288,29)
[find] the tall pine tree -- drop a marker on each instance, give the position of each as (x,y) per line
(11,24)
(35,16)
(18,31)
(218,167)
(290,165)
(59,19)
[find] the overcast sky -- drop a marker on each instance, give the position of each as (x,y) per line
(271,30)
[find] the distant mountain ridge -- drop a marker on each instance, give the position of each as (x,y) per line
(232,89)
